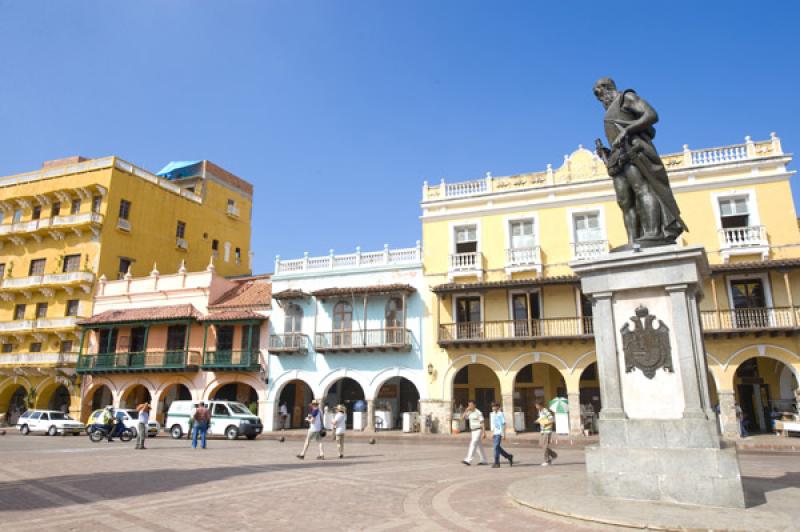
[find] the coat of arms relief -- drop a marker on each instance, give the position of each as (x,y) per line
(645,347)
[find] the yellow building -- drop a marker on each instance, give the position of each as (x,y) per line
(65,226)
(508,320)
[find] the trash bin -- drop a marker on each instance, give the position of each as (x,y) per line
(519,421)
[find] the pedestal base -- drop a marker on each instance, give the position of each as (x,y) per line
(679,475)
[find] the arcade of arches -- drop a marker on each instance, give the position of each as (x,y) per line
(50,393)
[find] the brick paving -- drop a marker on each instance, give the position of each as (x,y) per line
(69,483)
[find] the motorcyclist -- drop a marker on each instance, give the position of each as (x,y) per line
(107,421)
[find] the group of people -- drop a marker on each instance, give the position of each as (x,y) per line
(497,421)
(113,425)
(317,430)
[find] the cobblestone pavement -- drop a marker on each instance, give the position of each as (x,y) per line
(49,483)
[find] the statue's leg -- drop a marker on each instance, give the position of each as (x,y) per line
(648,206)
(627,203)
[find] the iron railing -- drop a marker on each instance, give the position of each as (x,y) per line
(515,329)
(753,319)
(396,338)
(129,362)
(236,360)
(288,343)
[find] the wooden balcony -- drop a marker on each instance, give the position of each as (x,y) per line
(757,321)
(288,344)
(139,362)
(246,360)
(386,339)
(509,332)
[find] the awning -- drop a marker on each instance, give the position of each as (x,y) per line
(176,169)
(291,293)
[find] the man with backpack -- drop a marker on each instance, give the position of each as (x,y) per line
(201,419)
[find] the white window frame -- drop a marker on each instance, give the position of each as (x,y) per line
(591,209)
(754,220)
(764,277)
(521,217)
(478,271)
(454,307)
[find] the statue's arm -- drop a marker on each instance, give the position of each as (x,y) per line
(646,116)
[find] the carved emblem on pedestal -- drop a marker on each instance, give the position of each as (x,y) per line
(645,347)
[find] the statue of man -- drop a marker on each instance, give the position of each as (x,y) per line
(649,210)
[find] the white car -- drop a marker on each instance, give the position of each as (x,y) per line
(130,418)
(50,422)
(228,418)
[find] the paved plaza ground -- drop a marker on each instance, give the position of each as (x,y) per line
(69,483)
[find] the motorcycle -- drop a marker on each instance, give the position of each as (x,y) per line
(99,432)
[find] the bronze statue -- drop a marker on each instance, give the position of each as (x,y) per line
(649,210)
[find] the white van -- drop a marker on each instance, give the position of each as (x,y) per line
(228,418)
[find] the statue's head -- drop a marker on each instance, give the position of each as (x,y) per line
(605,90)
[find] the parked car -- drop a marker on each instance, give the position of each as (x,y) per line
(228,418)
(129,417)
(50,422)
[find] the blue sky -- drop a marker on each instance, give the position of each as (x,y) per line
(338,110)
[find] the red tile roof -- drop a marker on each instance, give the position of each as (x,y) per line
(290,293)
(775,264)
(359,290)
(232,315)
(512,283)
(247,294)
(173,312)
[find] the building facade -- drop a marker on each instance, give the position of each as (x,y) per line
(509,322)
(193,336)
(344,329)
(64,226)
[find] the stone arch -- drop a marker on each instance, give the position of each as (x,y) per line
(297,410)
(381,378)
(583,362)
(8,388)
(127,390)
(286,377)
(49,386)
(159,392)
(465,360)
(775,352)
(218,382)
(336,375)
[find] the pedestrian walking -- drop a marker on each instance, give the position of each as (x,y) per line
(546,422)
(339,427)
(144,419)
(474,419)
(315,431)
(742,421)
(283,411)
(498,422)
(201,418)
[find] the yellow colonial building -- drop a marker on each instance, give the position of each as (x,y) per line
(508,320)
(74,221)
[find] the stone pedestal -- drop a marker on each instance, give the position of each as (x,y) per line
(658,433)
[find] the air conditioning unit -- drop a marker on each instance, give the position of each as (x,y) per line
(124,225)
(181,243)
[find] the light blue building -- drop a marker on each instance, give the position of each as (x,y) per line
(347,329)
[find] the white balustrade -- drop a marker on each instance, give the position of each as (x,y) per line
(331,262)
(39,359)
(590,249)
(725,154)
(523,256)
(56,323)
(45,280)
(55,221)
(15,326)
(736,237)
(465,188)
(466,262)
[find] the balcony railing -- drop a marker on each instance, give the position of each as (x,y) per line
(740,237)
(357,260)
(34,281)
(751,319)
(39,359)
(288,343)
(466,263)
(390,338)
(53,222)
(515,330)
(139,362)
(589,250)
(247,360)
(524,258)
(42,323)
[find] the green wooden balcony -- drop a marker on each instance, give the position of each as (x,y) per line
(228,360)
(138,362)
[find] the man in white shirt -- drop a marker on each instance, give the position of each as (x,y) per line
(283,411)
(315,428)
(339,422)
(474,419)
(498,422)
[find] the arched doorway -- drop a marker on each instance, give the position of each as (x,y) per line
(17,404)
(101,398)
(60,399)
(296,395)
(346,392)
(134,396)
(591,404)
(475,382)
(173,392)
(760,393)
(396,396)
(240,392)
(534,383)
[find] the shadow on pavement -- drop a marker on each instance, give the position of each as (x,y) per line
(21,495)
(756,488)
